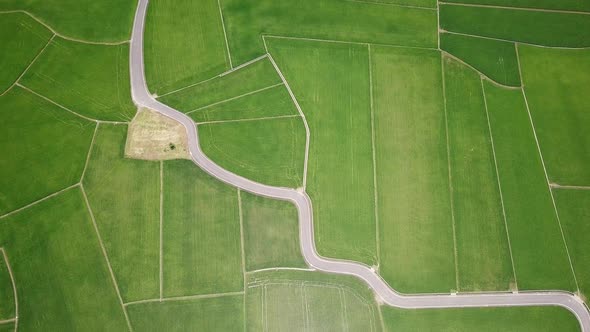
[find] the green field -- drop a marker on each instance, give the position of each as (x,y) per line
(201,242)
(25,38)
(124,195)
(536,27)
(92,80)
(482,244)
(557,97)
(7,327)
(253,77)
(493,58)
(340,173)
(98,21)
(246,20)
(417,3)
(270,151)
(34,135)
(208,314)
(527,319)
(184,44)
(576,5)
(574,212)
(7,304)
(271,233)
(416,228)
(271,102)
(540,257)
(60,273)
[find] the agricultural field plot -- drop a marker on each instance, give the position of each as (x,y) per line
(414,3)
(557,97)
(184,44)
(572,5)
(25,38)
(44,148)
(92,80)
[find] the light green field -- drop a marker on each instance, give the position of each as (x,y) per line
(209,314)
(297,301)
(536,27)
(184,44)
(558,100)
(495,59)
(24,38)
(415,225)
(336,103)
(258,75)
(482,244)
(62,279)
(268,151)
(523,319)
(201,242)
(246,20)
(7,304)
(271,233)
(274,101)
(44,148)
(99,21)
(92,80)
(574,213)
(540,257)
(125,198)
(544,4)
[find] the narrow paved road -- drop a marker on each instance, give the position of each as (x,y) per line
(141,97)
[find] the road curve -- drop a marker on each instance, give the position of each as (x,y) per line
(142,97)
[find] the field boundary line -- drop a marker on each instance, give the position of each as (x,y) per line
(241,219)
(570,187)
(90,148)
(515,41)
(345,42)
(224,33)
(545,171)
(184,298)
(10,320)
(485,102)
(29,66)
(264,313)
(48,27)
(344,315)
(450,175)
(379,3)
(438,30)
(281,269)
(307,132)
(161,229)
(381,321)
(305,306)
(503,86)
(528,9)
(235,97)
(39,200)
(106,257)
(375,194)
(15,293)
(245,64)
(250,119)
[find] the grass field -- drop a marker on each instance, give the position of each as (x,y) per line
(482,244)
(543,4)
(271,233)
(99,21)
(540,257)
(92,80)
(201,242)
(61,275)
(297,301)
(574,211)
(125,198)
(184,44)
(336,104)
(256,76)
(495,59)
(7,304)
(274,101)
(417,3)
(25,38)
(416,228)
(44,148)
(246,20)
(536,27)
(270,151)
(527,319)
(7,327)
(559,108)
(209,314)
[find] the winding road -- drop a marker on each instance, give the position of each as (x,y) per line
(389,296)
